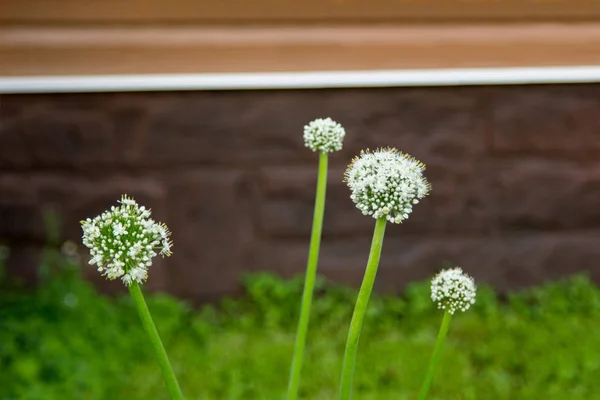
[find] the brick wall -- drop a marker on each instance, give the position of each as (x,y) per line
(515,175)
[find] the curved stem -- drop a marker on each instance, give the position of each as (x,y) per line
(161,354)
(360,309)
(309,281)
(436,355)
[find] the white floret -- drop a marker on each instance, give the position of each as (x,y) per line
(324,135)
(386,183)
(123,240)
(453,290)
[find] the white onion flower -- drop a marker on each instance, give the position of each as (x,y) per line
(386,183)
(123,241)
(453,290)
(324,135)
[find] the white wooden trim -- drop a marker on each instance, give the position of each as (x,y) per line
(300,80)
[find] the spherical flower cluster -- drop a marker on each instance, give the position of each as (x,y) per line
(453,290)
(324,135)
(123,241)
(386,183)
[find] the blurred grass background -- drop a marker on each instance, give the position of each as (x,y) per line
(64,340)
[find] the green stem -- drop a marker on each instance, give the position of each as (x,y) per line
(161,354)
(360,309)
(309,281)
(436,355)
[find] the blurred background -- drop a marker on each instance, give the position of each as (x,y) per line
(196,109)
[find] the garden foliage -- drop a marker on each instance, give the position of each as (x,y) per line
(64,340)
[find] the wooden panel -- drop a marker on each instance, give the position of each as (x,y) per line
(84,51)
(156,11)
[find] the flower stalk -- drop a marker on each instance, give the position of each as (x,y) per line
(159,349)
(122,242)
(309,280)
(360,309)
(435,358)
(452,290)
(323,136)
(385,185)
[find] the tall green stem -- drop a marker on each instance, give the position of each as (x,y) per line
(436,355)
(360,309)
(309,280)
(161,354)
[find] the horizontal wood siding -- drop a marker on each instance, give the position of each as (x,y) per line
(159,11)
(75,37)
(85,51)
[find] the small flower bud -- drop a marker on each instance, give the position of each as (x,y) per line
(324,135)
(122,241)
(453,290)
(386,183)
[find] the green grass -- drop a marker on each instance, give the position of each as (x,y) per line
(65,341)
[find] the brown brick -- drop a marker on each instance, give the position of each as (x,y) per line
(514,173)
(506,261)
(431,124)
(11,107)
(541,194)
(559,121)
(458,203)
(19,216)
(497,196)
(287,203)
(226,128)
(266,127)
(58,140)
(71,131)
(212,232)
